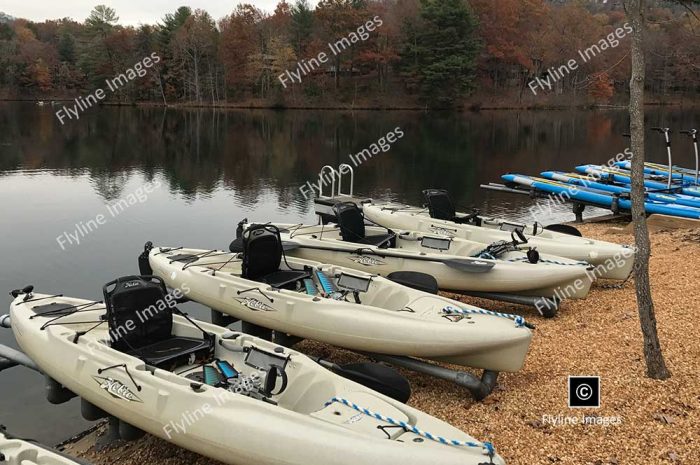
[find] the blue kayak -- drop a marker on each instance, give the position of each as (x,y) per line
(686,174)
(597,197)
(590,181)
(621,176)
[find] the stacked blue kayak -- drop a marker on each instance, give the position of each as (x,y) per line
(609,187)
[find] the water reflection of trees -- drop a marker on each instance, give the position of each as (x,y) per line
(249,152)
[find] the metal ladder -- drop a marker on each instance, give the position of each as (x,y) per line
(344,168)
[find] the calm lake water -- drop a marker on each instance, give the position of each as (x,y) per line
(215,167)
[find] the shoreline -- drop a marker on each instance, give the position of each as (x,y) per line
(473,107)
(602,337)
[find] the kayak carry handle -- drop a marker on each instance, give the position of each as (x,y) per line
(26,291)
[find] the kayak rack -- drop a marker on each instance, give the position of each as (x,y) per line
(578,206)
(478,387)
(10,357)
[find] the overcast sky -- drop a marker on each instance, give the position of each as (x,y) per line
(130,12)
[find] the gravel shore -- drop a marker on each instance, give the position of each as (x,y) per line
(640,421)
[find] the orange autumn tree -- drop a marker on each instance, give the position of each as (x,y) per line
(601,90)
(515,40)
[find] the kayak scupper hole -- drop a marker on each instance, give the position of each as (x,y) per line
(418,439)
(337,413)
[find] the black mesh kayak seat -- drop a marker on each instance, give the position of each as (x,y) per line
(415,280)
(441,207)
(262,257)
(352,227)
(140,320)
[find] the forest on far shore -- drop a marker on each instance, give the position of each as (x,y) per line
(418,53)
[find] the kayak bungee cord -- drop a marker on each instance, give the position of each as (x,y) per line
(414,429)
(519,320)
(41,298)
(256,289)
(230,260)
(60,311)
(196,258)
(126,369)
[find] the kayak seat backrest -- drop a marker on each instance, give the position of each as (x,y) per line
(350,220)
(352,227)
(441,207)
(440,204)
(262,253)
(140,320)
(262,257)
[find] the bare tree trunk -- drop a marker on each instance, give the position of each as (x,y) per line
(656,366)
(162,91)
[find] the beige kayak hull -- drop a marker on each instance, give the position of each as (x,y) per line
(229,427)
(392,320)
(19,452)
(611,261)
(553,276)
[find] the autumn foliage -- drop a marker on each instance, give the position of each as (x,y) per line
(426,52)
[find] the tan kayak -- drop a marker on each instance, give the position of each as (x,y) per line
(611,261)
(225,395)
(14,451)
(450,261)
(344,307)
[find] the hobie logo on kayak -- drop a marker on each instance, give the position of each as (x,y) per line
(367,260)
(255,304)
(442,231)
(116,389)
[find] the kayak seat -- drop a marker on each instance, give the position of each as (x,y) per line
(262,257)
(419,281)
(441,207)
(352,227)
(140,320)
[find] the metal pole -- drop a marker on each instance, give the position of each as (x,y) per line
(670,160)
(17,358)
(479,388)
(693,133)
(697,165)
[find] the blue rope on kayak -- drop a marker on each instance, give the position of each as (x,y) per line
(413,429)
(450,310)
